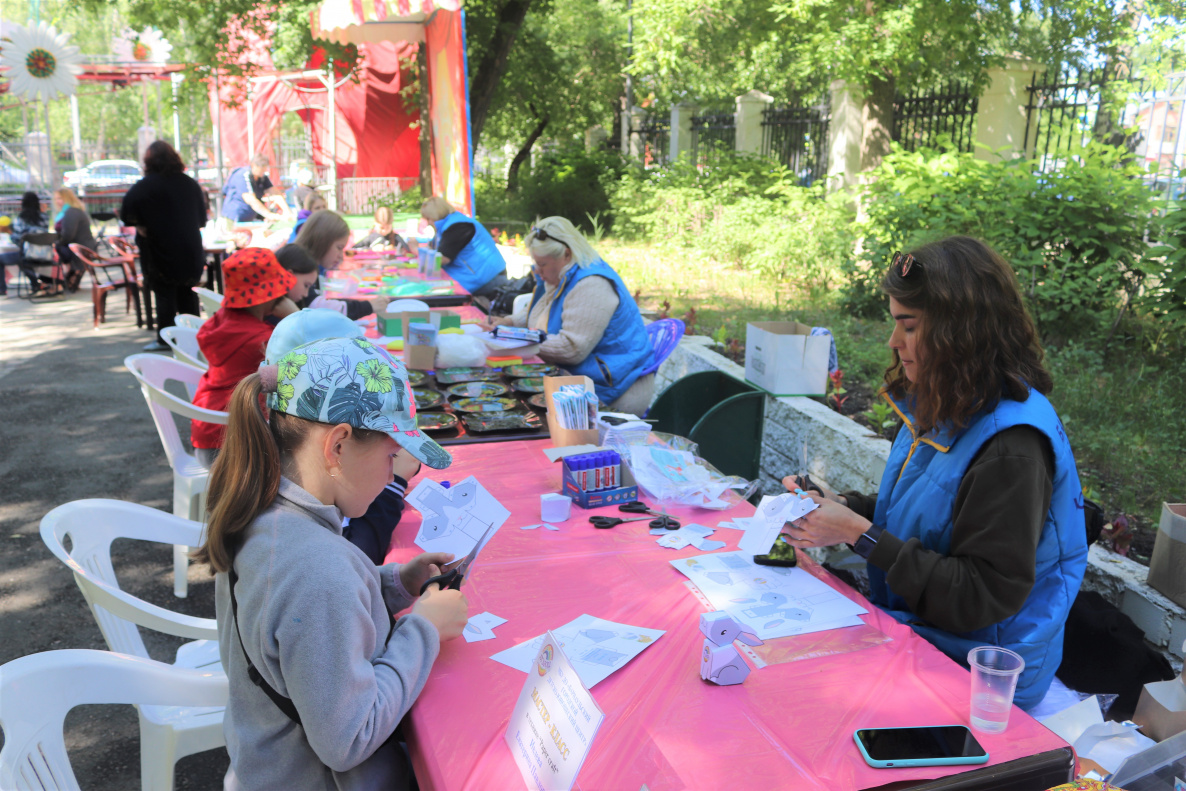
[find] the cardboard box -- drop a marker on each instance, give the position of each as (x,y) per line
(420,358)
(1161,711)
(627,492)
(564,437)
(784,358)
(393,325)
(1167,566)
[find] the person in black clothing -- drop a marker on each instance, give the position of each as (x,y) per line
(169,210)
(73,226)
(30,221)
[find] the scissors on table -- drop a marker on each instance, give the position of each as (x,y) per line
(662,520)
(453,574)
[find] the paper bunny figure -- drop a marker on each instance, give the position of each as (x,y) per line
(720,662)
(444,503)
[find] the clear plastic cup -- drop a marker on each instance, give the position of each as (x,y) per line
(994,680)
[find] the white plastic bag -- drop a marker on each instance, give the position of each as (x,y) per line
(460,351)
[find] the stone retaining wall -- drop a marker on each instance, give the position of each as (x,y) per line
(846,455)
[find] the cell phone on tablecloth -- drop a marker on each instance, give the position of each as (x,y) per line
(931,745)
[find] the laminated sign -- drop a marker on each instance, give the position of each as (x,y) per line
(784,358)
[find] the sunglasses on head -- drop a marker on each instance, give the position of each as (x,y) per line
(903,262)
(542,235)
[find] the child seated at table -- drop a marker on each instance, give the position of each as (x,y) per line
(372,531)
(314,202)
(255,286)
(382,235)
(324,237)
(319,675)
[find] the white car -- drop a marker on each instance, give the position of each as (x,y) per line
(102,175)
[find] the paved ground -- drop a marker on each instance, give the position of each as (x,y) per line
(74,425)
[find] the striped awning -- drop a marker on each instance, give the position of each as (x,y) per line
(359,21)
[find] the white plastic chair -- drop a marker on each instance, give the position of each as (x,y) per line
(184,343)
(407,306)
(189,477)
(520,303)
(211,300)
(37,691)
(189,320)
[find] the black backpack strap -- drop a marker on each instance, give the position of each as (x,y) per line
(284,704)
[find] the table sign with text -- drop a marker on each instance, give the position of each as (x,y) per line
(554,722)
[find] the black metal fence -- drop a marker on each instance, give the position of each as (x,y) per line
(1061,113)
(797,136)
(655,134)
(940,117)
(712,132)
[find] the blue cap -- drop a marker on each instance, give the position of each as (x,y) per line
(306,326)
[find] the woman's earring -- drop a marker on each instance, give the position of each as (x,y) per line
(332,474)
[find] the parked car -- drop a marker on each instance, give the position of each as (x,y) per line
(103,175)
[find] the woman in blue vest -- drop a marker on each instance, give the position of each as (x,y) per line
(468,252)
(593,324)
(976,535)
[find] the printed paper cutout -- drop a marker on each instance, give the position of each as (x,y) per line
(455,518)
(594,646)
(692,534)
(481,627)
(720,661)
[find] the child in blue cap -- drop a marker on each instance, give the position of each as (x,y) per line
(319,674)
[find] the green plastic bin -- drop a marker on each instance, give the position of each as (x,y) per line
(721,414)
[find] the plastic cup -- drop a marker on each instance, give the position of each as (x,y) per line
(994,680)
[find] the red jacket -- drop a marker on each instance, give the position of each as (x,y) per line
(233,342)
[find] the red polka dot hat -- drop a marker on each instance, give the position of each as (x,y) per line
(253,276)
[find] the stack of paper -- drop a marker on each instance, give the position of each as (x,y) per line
(595,647)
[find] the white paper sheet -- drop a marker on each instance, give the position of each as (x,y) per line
(595,647)
(773,601)
(455,518)
(762,529)
(481,627)
(688,535)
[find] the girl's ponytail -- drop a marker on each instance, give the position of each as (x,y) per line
(244,479)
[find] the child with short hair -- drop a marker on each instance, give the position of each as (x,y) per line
(319,674)
(382,235)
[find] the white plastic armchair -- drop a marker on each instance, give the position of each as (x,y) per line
(38,690)
(189,477)
(211,300)
(189,320)
(184,344)
(166,733)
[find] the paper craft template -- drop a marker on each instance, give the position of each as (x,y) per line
(772,601)
(693,534)
(481,627)
(720,661)
(763,527)
(595,647)
(455,518)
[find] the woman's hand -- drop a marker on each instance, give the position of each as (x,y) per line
(791,483)
(447,610)
(495,321)
(421,568)
(831,523)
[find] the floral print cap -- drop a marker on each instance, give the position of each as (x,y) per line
(352,381)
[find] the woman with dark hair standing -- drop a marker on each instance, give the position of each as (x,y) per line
(976,535)
(168,209)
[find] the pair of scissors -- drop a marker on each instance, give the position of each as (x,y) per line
(453,574)
(663,521)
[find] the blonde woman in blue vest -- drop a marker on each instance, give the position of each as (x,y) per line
(976,535)
(468,252)
(593,324)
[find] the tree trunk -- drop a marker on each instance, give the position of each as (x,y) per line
(489,72)
(523,153)
(877,121)
(425,123)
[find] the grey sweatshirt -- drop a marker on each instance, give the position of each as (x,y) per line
(313,613)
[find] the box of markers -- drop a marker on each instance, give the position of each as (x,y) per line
(597,478)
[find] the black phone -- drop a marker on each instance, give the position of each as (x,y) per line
(931,745)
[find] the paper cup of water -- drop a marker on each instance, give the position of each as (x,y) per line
(994,679)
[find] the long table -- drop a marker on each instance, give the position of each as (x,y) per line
(789,725)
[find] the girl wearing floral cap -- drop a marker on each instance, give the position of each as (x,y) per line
(255,287)
(319,674)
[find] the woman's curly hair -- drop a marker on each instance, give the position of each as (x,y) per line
(977,343)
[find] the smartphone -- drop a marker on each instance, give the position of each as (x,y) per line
(932,745)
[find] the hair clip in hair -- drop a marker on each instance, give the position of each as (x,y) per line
(269,376)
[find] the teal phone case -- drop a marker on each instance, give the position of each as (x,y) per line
(899,763)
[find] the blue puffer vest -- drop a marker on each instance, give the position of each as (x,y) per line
(917,500)
(479,262)
(624,349)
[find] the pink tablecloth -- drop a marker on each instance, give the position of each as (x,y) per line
(789,726)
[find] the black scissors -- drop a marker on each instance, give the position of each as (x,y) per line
(453,575)
(662,521)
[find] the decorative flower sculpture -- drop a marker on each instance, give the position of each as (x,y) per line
(40,61)
(147,46)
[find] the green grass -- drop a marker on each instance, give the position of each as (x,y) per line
(1125,414)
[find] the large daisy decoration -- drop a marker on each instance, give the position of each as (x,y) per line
(40,61)
(146,46)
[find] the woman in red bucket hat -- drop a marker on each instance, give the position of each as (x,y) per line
(233,341)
